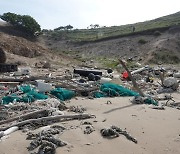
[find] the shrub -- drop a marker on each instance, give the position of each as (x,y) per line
(157,33)
(142,41)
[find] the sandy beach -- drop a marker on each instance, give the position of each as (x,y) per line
(157,131)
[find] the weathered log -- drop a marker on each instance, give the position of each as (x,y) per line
(139,70)
(50,118)
(25,116)
(11,130)
(8,131)
(15,80)
(32,78)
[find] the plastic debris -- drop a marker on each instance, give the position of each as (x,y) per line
(63,94)
(112,90)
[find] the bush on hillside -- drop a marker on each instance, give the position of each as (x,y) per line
(68,27)
(142,41)
(157,33)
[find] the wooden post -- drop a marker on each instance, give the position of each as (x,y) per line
(132,79)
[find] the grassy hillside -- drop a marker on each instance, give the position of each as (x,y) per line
(79,35)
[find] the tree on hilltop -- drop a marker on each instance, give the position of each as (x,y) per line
(24,22)
(68,27)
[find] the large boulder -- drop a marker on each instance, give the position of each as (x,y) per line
(2,56)
(171,82)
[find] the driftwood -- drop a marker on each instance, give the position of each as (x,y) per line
(139,70)
(25,116)
(8,131)
(132,79)
(32,78)
(161,76)
(15,80)
(50,118)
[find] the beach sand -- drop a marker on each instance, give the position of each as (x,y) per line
(157,131)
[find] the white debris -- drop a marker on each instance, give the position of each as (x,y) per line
(43,87)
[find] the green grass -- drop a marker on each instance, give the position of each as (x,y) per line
(79,35)
(110,63)
(113,63)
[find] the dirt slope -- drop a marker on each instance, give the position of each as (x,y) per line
(143,47)
(23,49)
(164,48)
(17,45)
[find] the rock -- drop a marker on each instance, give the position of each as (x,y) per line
(91,77)
(97,77)
(177,75)
(46,65)
(165,90)
(109,70)
(171,82)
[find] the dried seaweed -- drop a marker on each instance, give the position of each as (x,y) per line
(115,131)
(45,140)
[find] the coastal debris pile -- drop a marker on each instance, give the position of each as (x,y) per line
(29,102)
